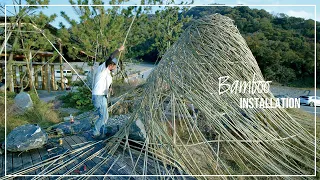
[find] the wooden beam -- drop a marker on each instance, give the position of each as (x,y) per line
(24,63)
(37,53)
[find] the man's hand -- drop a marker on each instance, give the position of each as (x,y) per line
(121,48)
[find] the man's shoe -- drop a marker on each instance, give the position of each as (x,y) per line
(95,135)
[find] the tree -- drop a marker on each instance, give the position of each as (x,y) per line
(100,30)
(25,38)
(169,23)
(153,34)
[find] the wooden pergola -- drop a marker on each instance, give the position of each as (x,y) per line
(41,69)
(17,62)
(46,69)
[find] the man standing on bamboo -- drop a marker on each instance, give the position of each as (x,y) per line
(102,82)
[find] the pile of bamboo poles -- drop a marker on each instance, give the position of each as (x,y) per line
(181,97)
(247,141)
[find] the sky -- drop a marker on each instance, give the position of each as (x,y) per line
(272,6)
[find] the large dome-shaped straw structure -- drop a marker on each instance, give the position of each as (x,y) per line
(202,132)
(193,129)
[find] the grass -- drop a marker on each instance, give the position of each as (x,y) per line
(42,114)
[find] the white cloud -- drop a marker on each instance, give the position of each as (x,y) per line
(302,14)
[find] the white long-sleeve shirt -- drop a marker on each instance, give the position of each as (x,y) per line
(102,81)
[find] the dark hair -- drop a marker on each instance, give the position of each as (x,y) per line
(109,62)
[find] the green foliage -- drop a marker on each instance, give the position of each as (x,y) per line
(81,99)
(23,43)
(99,32)
(152,34)
(168,23)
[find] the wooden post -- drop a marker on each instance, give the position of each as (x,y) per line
(20,76)
(1,71)
(43,74)
(53,81)
(29,70)
(10,74)
(61,67)
(48,77)
(14,76)
(35,72)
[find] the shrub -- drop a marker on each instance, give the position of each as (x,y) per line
(81,99)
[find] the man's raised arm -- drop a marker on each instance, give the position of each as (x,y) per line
(115,53)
